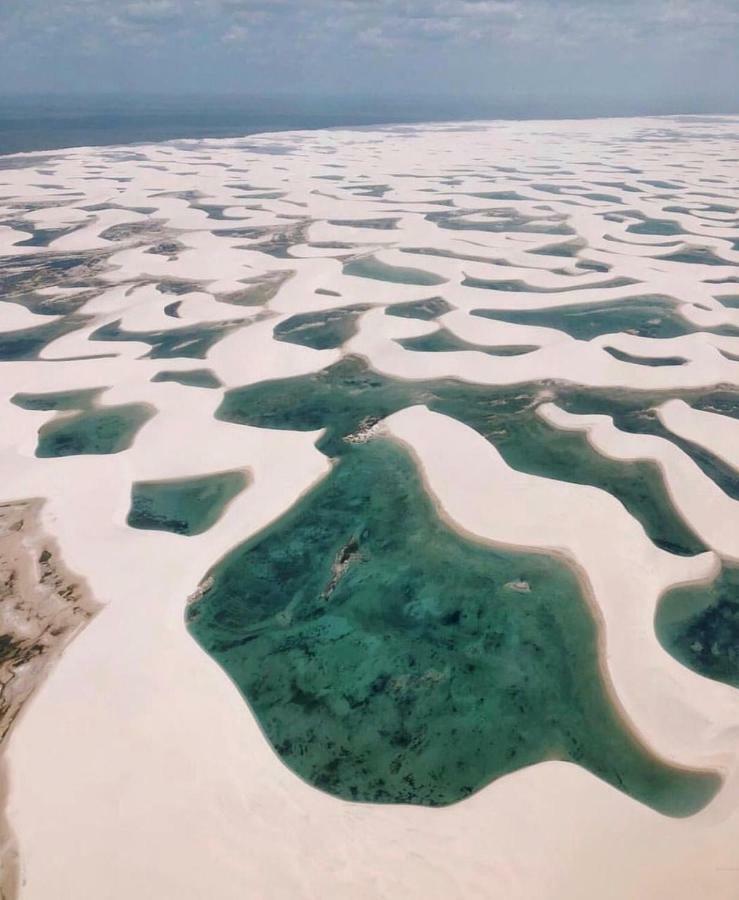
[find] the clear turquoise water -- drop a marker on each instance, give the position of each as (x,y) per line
(185,506)
(388,659)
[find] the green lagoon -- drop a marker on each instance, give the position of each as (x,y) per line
(699,626)
(388,659)
(185,506)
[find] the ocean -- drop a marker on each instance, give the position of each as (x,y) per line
(50,123)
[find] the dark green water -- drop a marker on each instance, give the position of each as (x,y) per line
(388,659)
(697,255)
(323,330)
(192,341)
(648,316)
(28,343)
(654,361)
(369,267)
(518,285)
(347,394)
(258,291)
(420,309)
(445,341)
(184,506)
(656,227)
(699,626)
(724,400)
(58,401)
(102,430)
(202,378)
(498,221)
(378,224)
(634,412)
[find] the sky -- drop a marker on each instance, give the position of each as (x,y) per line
(593,56)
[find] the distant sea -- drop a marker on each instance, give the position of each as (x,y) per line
(29,123)
(50,123)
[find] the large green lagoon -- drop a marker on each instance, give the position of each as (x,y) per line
(389,659)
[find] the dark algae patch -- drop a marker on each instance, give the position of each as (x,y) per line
(184,506)
(699,626)
(389,659)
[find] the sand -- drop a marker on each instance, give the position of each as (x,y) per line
(137,769)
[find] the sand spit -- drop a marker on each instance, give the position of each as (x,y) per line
(42,607)
(137,770)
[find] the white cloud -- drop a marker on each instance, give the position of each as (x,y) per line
(236,34)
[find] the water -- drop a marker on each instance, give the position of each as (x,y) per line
(184,506)
(348,393)
(31,123)
(445,341)
(699,626)
(191,341)
(389,659)
(109,429)
(646,316)
(426,310)
(654,361)
(635,413)
(202,378)
(28,343)
(369,267)
(518,285)
(58,401)
(321,330)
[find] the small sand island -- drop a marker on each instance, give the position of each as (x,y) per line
(369,515)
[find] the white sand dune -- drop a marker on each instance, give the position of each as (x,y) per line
(138,771)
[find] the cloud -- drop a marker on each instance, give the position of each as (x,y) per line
(236,34)
(151,12)
(296,44)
